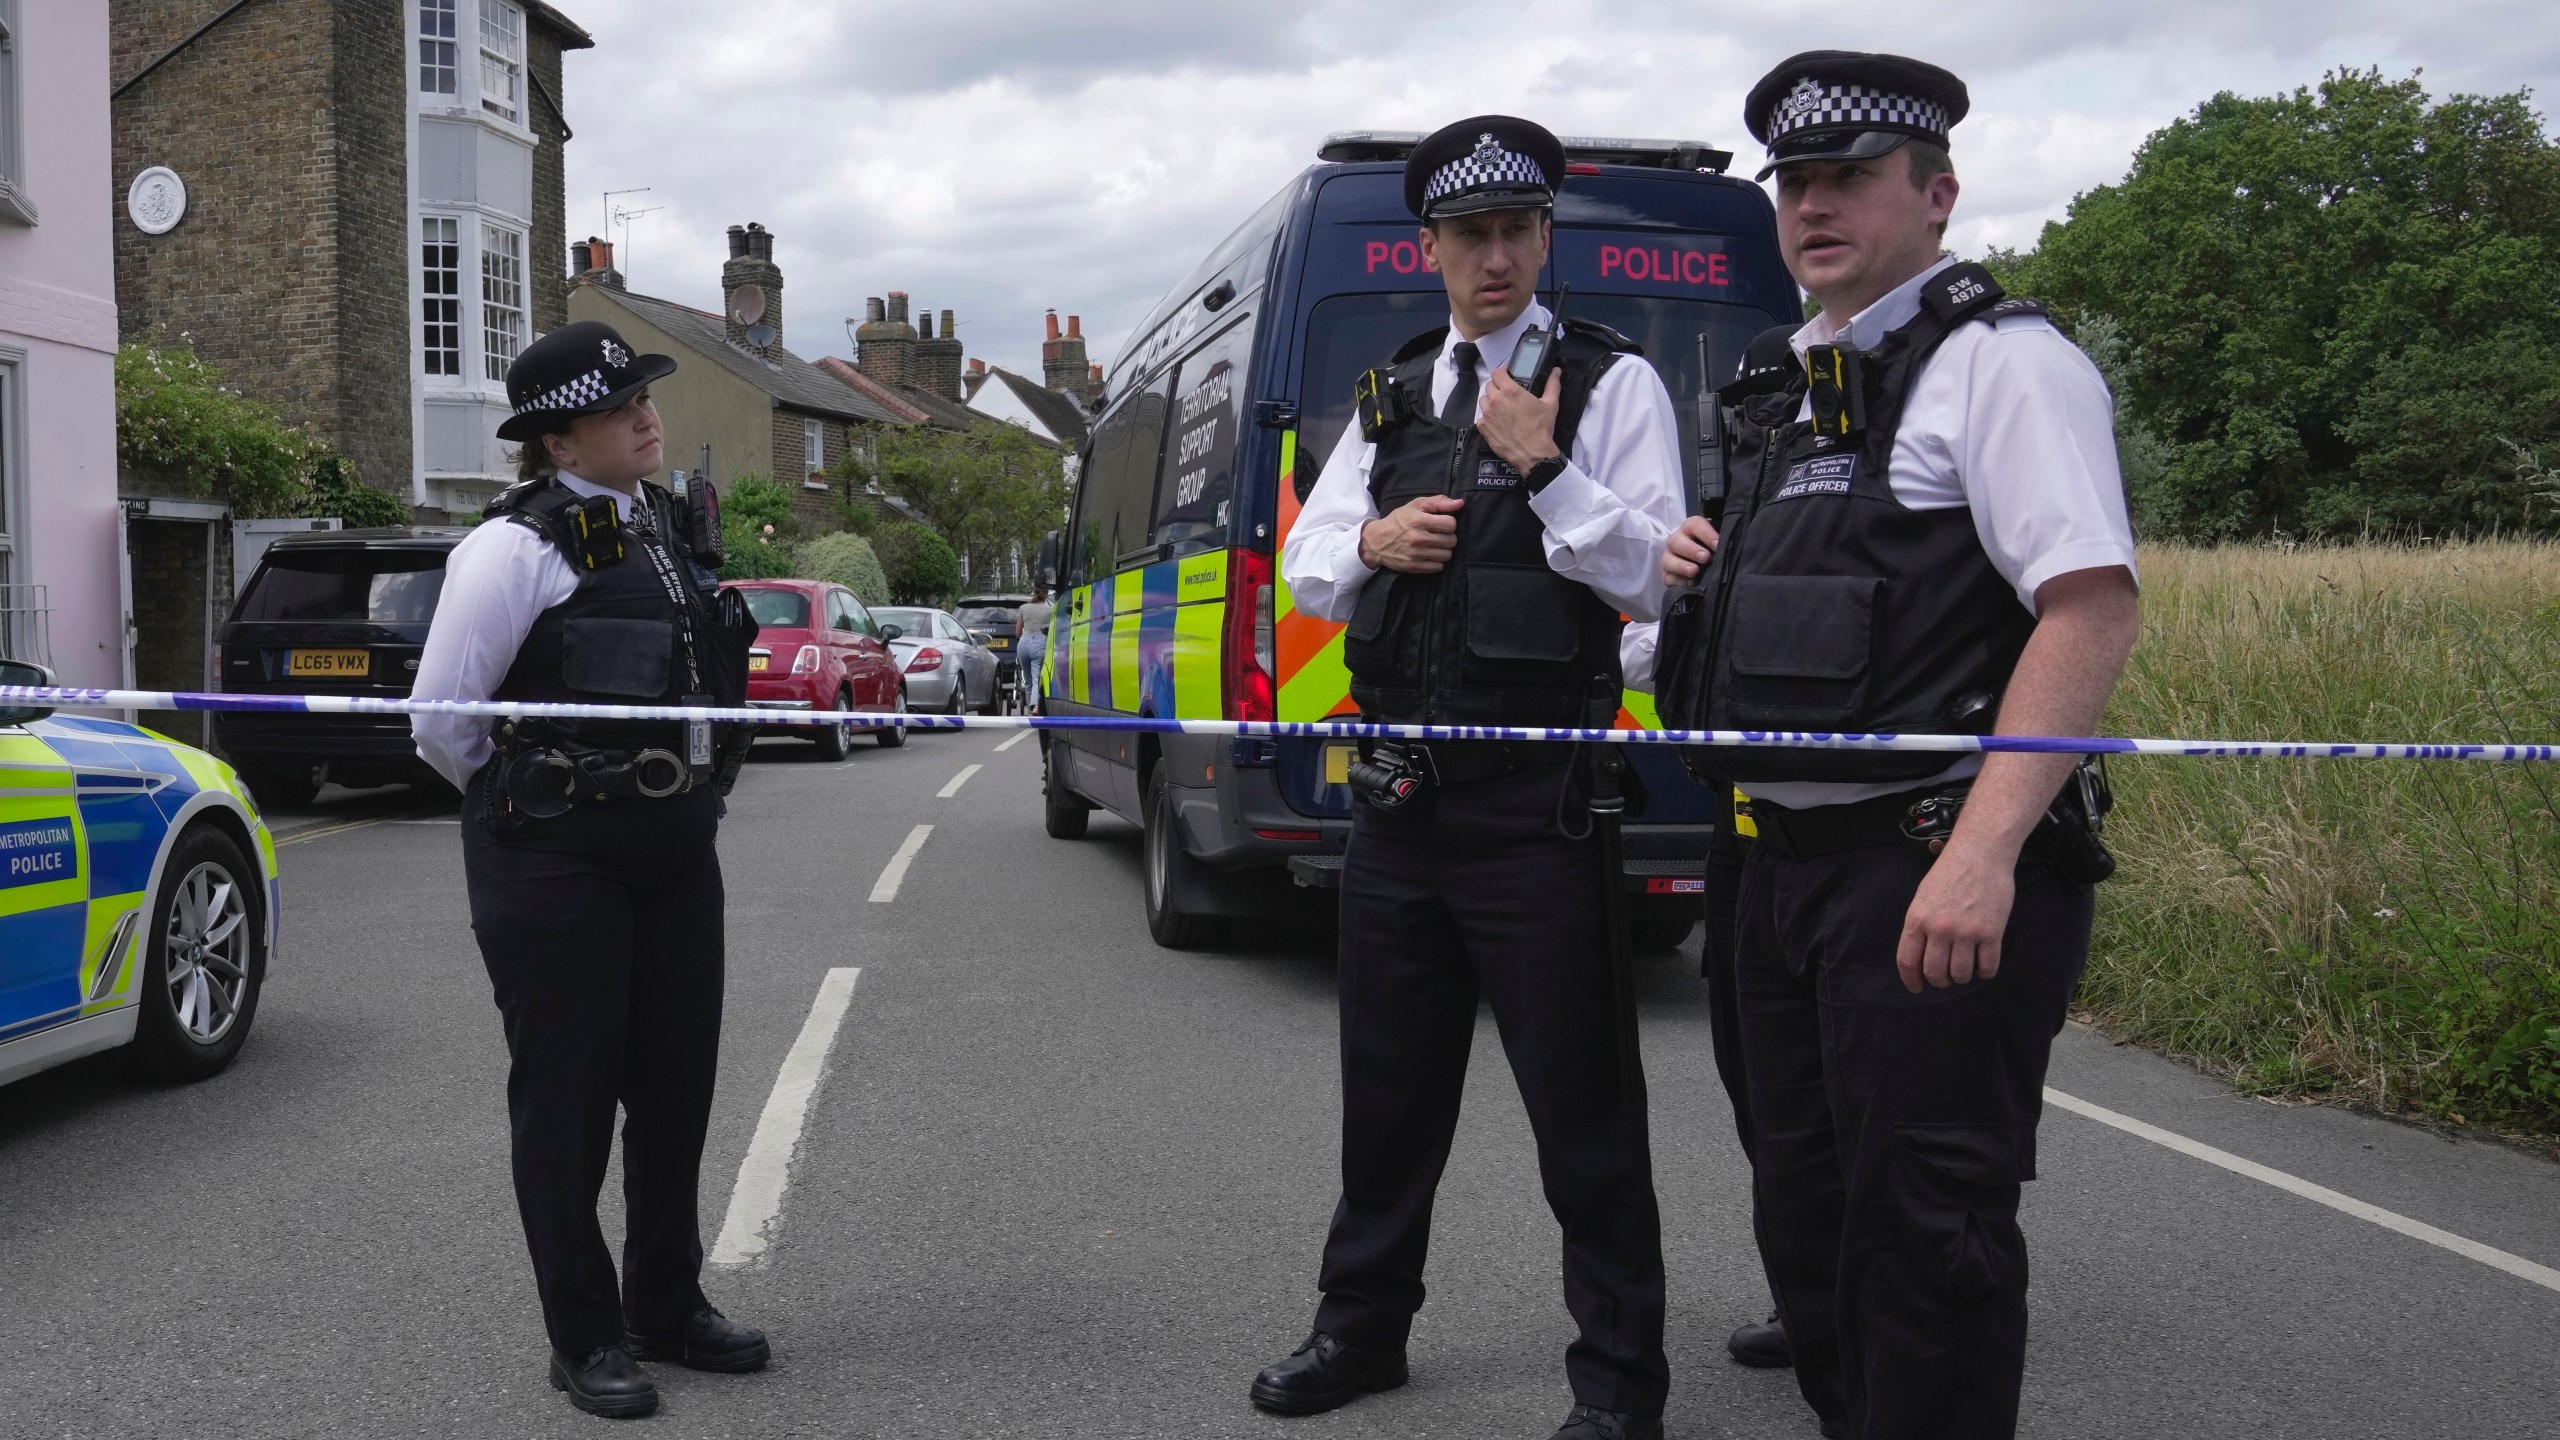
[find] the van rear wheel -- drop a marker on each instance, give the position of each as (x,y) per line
(1067,815)
(1172,928)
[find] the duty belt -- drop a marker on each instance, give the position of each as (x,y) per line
(1456,762)
(539,781)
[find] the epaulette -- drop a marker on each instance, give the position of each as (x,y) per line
(2012,308)
(1594,330)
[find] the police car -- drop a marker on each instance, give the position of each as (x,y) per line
(138,895)
(1231,393)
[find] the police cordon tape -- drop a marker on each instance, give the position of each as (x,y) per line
(72,698)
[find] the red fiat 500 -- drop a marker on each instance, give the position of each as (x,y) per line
(817,649)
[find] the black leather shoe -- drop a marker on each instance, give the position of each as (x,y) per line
(1589,1422)
(608,1382)
(711,1341)
(1325,1374)
(1762,1346)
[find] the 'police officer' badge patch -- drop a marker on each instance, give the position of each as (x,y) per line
(1495,473)
(1821,475)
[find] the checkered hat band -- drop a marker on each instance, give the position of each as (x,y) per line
(1856,106)
(1504,168)
(587,389)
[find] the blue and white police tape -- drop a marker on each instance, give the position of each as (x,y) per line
(72,698)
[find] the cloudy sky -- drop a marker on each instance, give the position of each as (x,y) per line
(1002,157)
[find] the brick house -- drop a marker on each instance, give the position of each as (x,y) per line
(761,408)
(374,222)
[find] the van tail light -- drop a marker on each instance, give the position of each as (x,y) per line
(927,659)
(1252,614)
(806,662)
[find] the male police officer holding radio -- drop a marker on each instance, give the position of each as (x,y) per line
(588,848)
(1481,537)
(1927,532)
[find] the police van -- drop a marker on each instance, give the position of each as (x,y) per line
(1219,414)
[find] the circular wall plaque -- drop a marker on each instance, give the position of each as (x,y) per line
(156,201)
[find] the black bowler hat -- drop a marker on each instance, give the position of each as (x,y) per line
(1493,162)
(1849,105)
(582,368)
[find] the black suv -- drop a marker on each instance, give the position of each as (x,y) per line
(340,612)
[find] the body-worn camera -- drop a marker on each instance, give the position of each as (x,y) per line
(1391,776)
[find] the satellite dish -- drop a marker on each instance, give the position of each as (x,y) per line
(746,304)
(759,335)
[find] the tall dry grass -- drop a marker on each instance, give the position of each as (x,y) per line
(2388,931)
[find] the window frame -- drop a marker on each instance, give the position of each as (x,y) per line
(813,452)
(492,365)
(13,468)
(429,299)
(1239,336)
(512,65)
(15,205)
(450,65)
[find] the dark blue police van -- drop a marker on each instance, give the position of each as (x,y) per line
(1219,414)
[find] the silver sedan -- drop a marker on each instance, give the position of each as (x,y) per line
(948,667)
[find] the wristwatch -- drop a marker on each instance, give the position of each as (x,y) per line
(1542,472)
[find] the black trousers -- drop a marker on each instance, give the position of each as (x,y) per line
(1893,1132)
(1716,955)
(1475,891)
(601,930)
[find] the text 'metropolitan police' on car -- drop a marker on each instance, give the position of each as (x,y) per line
(138,895)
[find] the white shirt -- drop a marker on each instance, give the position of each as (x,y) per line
(1606,517)
(1636,645)
(2012,420)
(496,582)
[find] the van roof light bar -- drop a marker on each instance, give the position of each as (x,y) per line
(1345,147)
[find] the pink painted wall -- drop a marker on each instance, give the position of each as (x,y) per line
(57,305)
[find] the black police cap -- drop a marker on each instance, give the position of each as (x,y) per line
(1492,162)
(582,368)
(1850,105)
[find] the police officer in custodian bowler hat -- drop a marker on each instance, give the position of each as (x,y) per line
(588,848)
(1481,539)
(1927,533)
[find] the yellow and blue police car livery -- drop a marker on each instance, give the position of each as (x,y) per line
(92,813)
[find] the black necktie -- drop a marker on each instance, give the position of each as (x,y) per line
(1461,409)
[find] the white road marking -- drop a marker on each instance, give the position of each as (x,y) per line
(957,781)
(322,831)
(757,1199)
(1018,737)
(886,889)
(2495,1259)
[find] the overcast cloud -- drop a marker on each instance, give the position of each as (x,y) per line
(1003,157)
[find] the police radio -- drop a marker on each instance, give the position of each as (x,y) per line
(1540,349)
(1713,478)
(702,515)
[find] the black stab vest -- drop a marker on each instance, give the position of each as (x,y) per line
(614,641)
(1830,606)
(1496,637)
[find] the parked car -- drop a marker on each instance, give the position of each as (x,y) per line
(949,668)
(138,895)
(818,649)
(337,612)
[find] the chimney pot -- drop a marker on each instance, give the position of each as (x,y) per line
(873,311)
(1097,374)
(977,367)
(1053,324)
(737,241)
(1075,327)
(582,258)
(898,305)
(949,329)
(600,252)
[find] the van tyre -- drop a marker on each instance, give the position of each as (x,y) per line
(893,736)
(1067,814)
(281,789)
(204,958)
(1647,936)
(1163,858)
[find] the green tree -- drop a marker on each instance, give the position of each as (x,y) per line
(989,489)
(757,528)
(175,418)
(848,560)
(2331,310)
(923,568)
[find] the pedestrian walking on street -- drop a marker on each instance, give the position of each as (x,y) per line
(1927,533)
(1031,642)
(589,850)
(1439,530)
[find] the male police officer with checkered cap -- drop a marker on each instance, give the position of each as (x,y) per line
(1482,540)
(1936,540)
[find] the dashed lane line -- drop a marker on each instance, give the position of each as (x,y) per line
(957,781)
(1018,737)
(2494,1258)
(756,1201)
(885,889)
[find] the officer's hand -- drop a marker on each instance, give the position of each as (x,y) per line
(1687,552)
(1417,538)
(1951,934)
(1519,426)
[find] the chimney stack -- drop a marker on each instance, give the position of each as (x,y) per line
(885,345)
(1063,366)
(938,357)
(751,264)
(594,261)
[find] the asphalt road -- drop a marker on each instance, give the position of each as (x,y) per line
(1056,1181)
